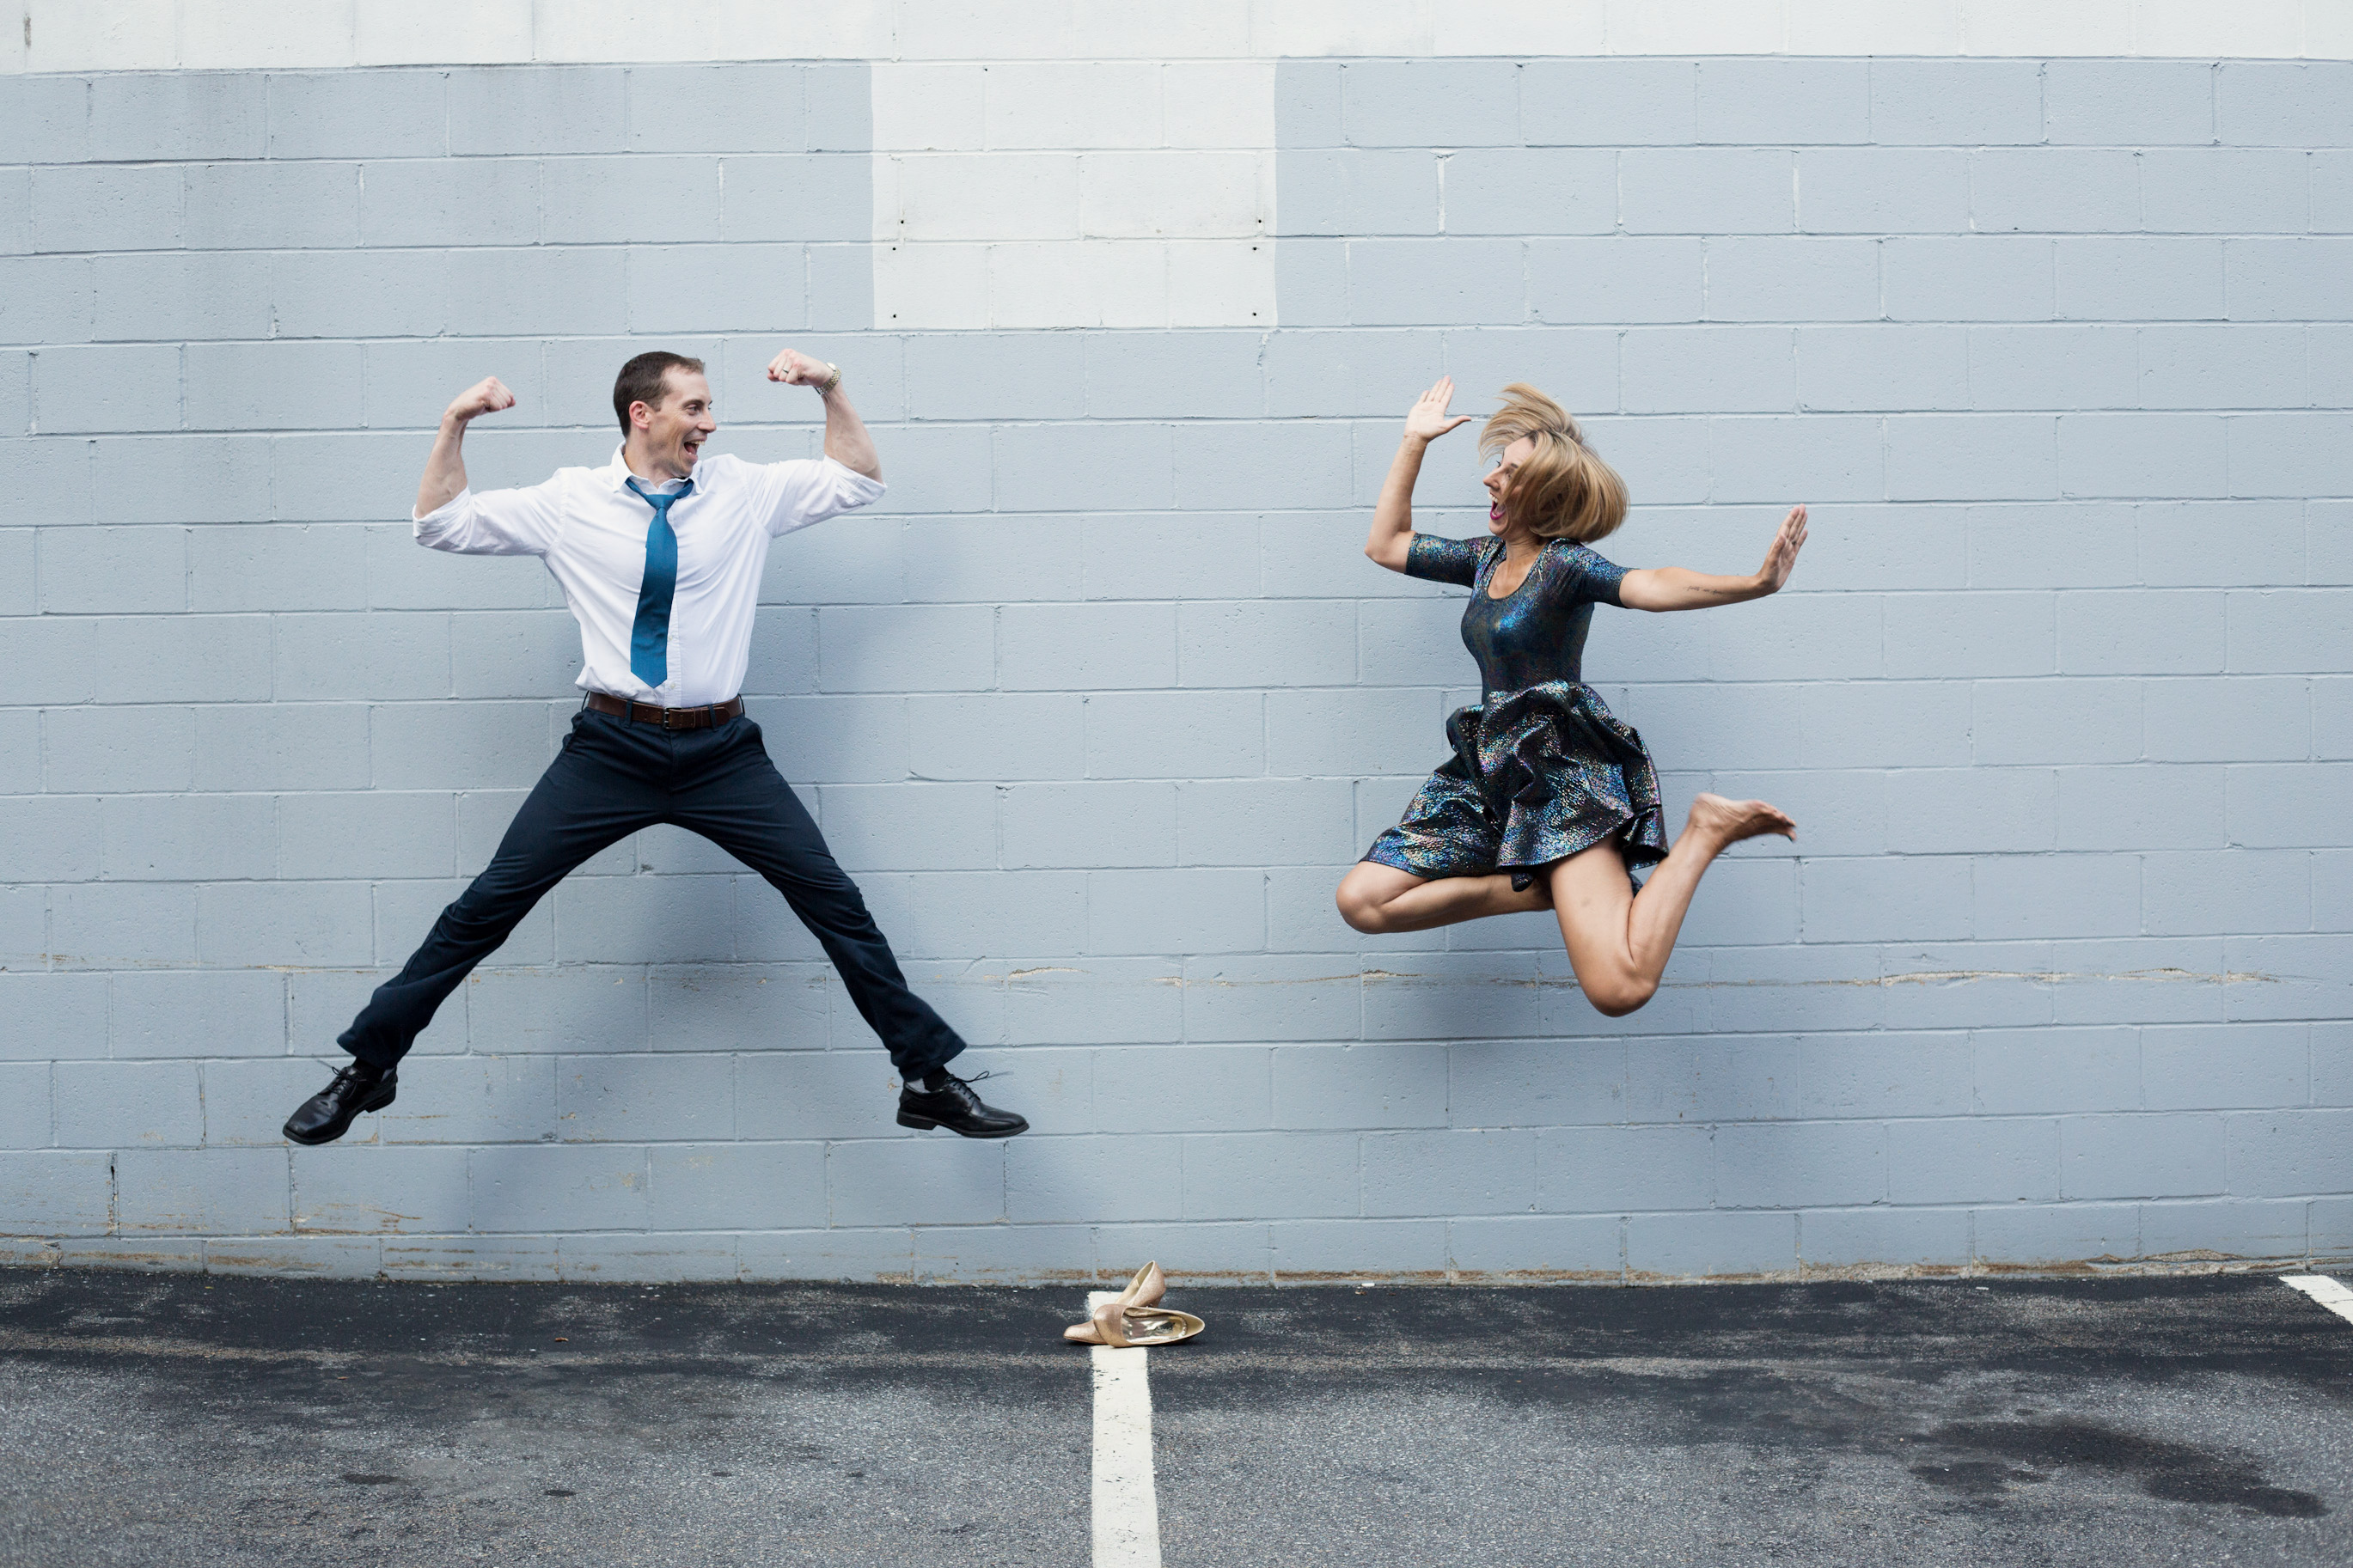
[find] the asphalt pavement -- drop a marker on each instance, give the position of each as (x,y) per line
(174,1418)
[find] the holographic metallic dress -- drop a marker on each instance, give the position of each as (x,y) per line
(1541,769)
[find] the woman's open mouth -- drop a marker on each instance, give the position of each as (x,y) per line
(1495,512)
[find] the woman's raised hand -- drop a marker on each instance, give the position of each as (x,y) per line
(1427,420)
(1781,559)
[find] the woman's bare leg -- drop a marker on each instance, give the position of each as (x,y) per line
(1619,941)
(1381,899)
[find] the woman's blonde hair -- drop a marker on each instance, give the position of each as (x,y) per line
(1564,491)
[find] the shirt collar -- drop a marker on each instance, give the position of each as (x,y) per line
(616,476)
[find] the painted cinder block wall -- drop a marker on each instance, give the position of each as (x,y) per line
(1102,700)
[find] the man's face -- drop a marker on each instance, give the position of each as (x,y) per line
(671,437)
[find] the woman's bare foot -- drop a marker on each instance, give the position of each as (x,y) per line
(1730,821)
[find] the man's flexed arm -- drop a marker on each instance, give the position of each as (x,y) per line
(445,471)
(846,440)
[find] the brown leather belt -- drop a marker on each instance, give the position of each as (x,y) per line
(668,718)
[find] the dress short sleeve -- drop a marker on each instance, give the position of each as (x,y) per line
(1590,577)
(1444,559)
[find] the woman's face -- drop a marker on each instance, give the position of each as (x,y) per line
(1499,482)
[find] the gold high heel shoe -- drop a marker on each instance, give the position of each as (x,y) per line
(1135,1317)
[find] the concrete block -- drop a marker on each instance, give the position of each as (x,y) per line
(1769,457)
(294,746)
(359,114)
(894,648)
(2288,454)
(1891,1075)
(798,1095)
(1087,647)
(2332,191)
(603,289)
(2028,896)
(49,117)
(571,1008)
(1007,558)
(2287,804)
(1956,103)
(711,1006)
(2142,455)
(1866,1239)
(1274,997)
(2305,976)
(1312,282)
(1186,556)
(56,1193)
(464,1257)
(379,1191)
(2139,278)
(1100,1000)
(2219,190)
(1176,735)
(54,838)
(473,1100)
(1430,104)
(1609,102)
(1349,191)
(52,298)
(1089,825)
(469,201)
(1549,1247)
(1452,996)
(539,1187)
(2063,367)
(1036,375)
(591,201)
(1972,278)
(2145,1155)
(994,736)
(1675,369)
(356,293)
(2243,367)
(1580,365)
(2072,545)
(1449,1172)
(2282,279)
(1188,1088)
(379,655)
(1258,644)
(98,750)
(906,828)
(1306,1250)
(1974,1160)
(809,196)
(262,568)
(1784,100)
(128,1105)
(24,1106)
(1469,281)
(664,920)
(2201,1231)
(2048,190)
(560,110)
(1543,1084)
(1253,822)
(949,1182)
(2058,721)
(107,208)
(1881,190)
(236,1011)
(1792,279)
(2128,103)
(2178,632)
(638,1099)
(1706,190)
(2283,103)
(865,1255)
(1185,911)
(1283,1175)
(201,1191)
(1773,1164)
(2140,807)
(163,839)
(151,117)
(112,387)
(730,108)
(1614,278)
(1488,190)
(935,915)
(2224,1067)
(1980,633)
(2232,718)
(1882,368)
(1711,1245)
(536,654)
(273,386)
(1089,1180)
(1350,1086)
(1605,1170)
(231,206)
(109,925)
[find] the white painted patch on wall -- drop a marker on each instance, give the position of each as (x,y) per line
(1073,193)
(150,35)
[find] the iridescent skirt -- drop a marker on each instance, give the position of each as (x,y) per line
(1536,776)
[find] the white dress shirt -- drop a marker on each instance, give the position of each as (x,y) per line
(590,529)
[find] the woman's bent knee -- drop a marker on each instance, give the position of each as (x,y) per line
(1362,913)
(1616,998)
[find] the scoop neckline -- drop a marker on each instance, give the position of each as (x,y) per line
(1531,572)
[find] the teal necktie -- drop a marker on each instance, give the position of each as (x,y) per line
(650,634)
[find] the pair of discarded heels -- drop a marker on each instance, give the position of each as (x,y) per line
(1135,1317)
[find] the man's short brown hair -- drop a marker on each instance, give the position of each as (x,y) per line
(640,381)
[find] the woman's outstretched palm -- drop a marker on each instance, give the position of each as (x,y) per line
(1782,558)
(1428,417)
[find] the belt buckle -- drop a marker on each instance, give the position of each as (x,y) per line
(669,719)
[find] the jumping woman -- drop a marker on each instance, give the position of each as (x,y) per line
(1548,802)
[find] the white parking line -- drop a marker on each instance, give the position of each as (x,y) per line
(2331,1293)
(1126,1504)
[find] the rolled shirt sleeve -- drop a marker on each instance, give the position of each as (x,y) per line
(812,489)
(521,521)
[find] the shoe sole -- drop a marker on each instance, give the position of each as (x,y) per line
(329,1134)
(925,1124)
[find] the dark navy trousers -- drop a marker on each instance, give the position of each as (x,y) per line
(613,777)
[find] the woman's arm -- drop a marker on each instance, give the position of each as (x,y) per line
(1674,588)
(1390,543)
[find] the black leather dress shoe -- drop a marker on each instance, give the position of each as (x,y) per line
(953,1106)
(327,1115)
